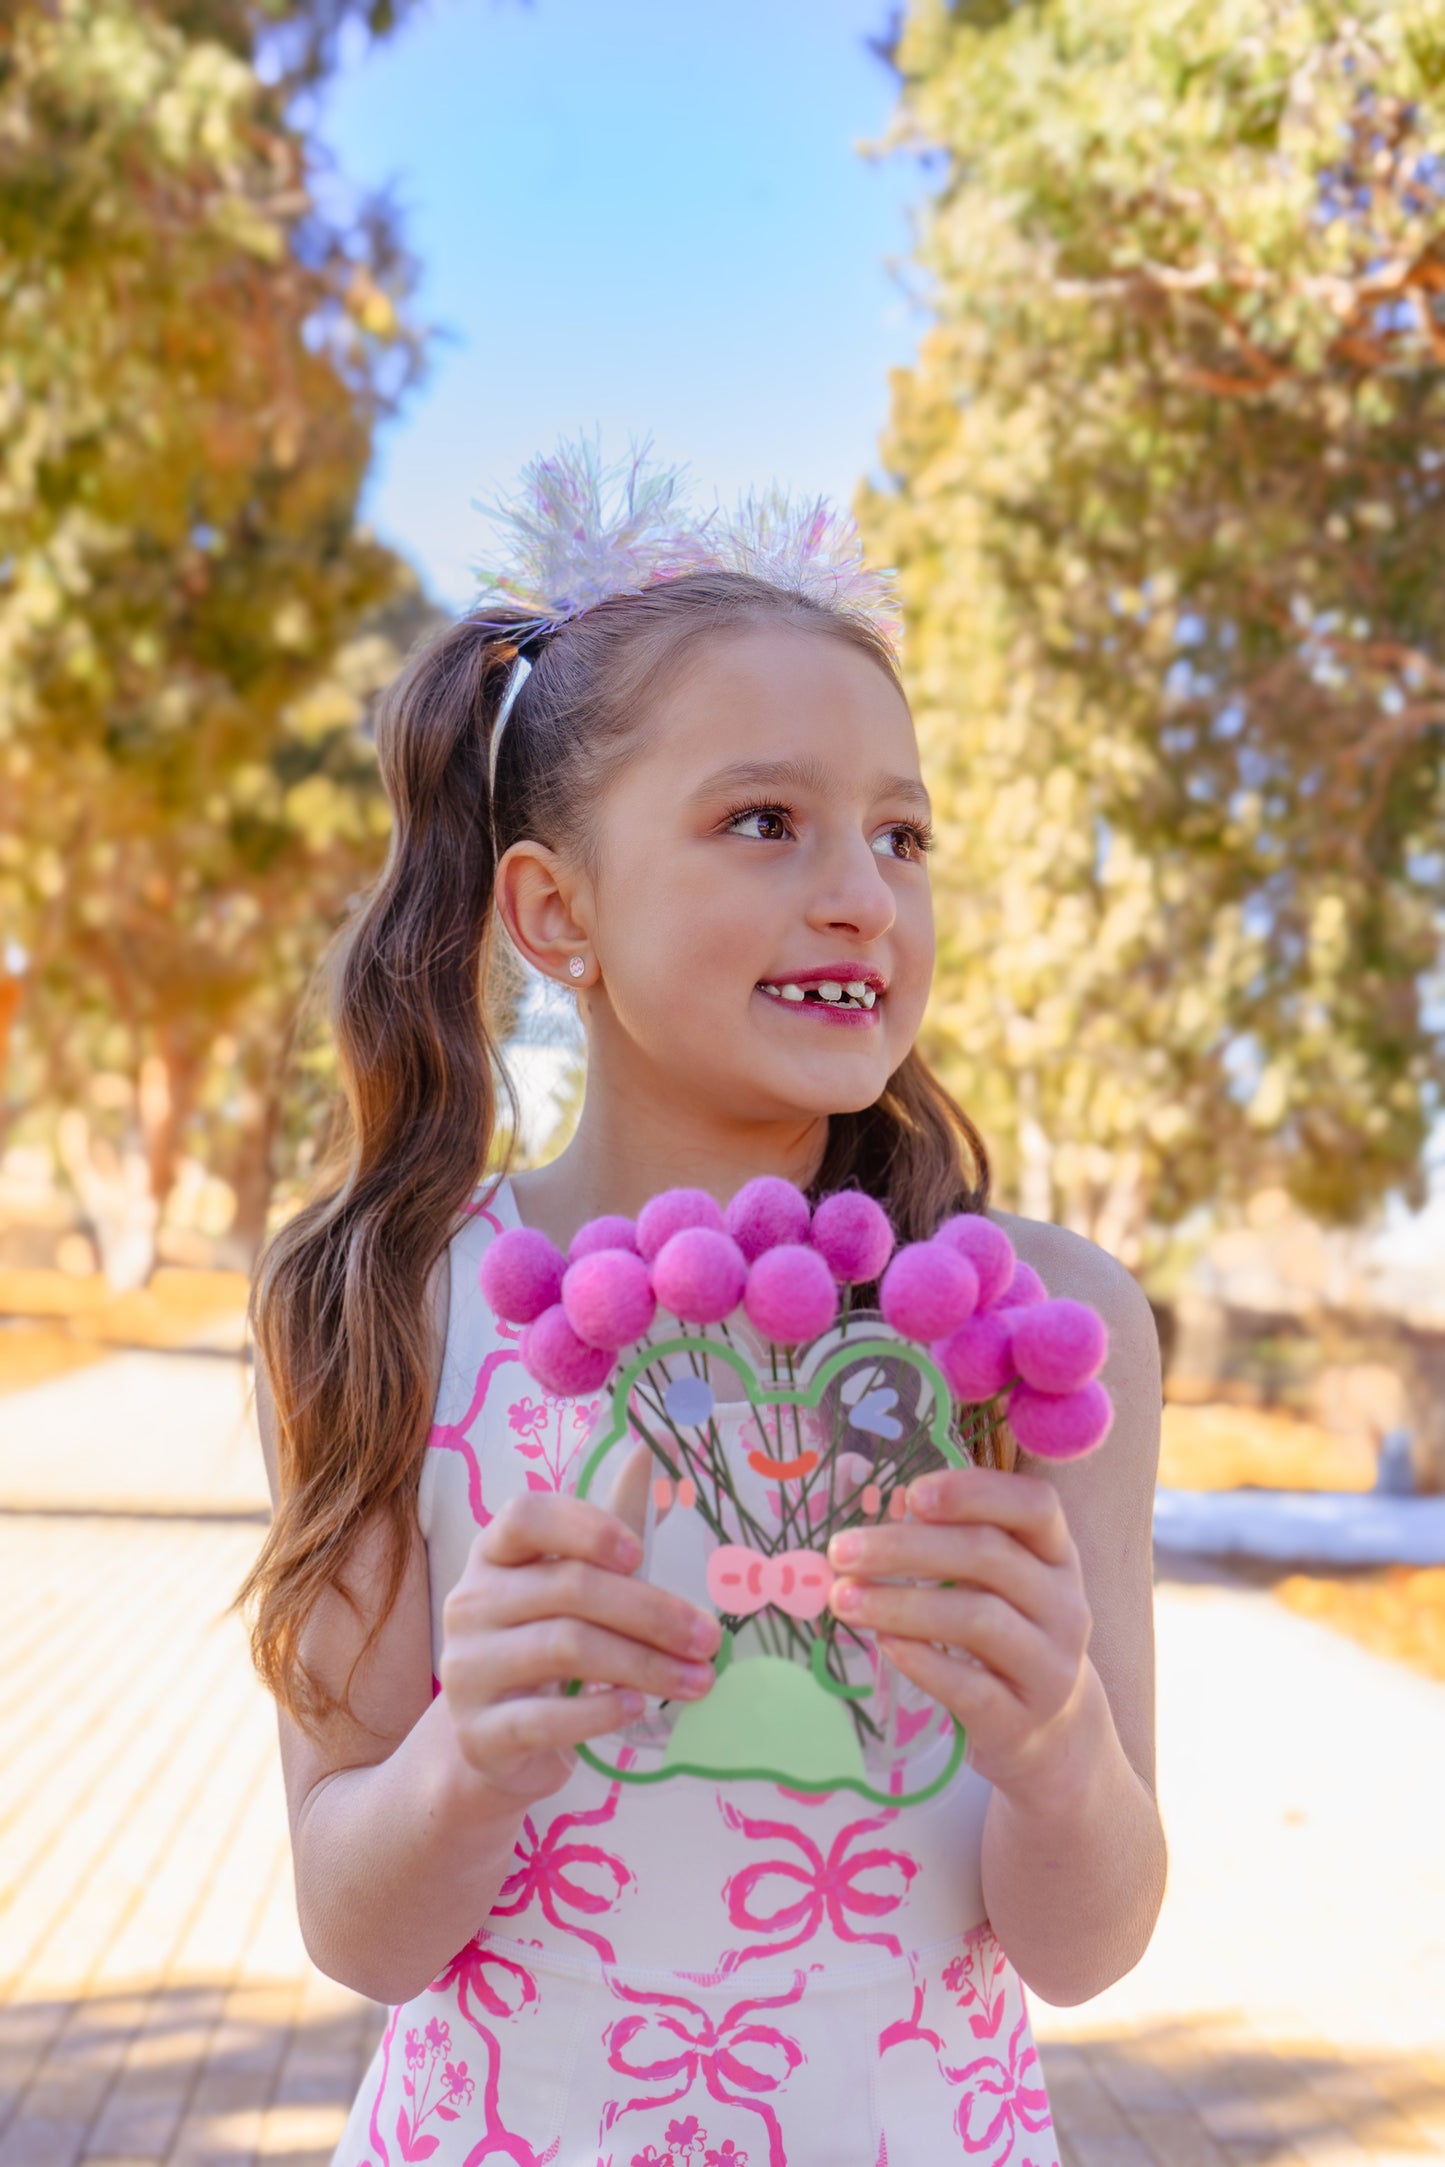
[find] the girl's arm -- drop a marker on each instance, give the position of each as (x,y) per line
(1074,1861)
(1030,1617)
(404,1822)
(398,1848)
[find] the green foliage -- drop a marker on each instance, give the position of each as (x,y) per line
(1167,489)
(191,624)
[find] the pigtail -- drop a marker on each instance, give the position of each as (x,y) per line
(339,1308)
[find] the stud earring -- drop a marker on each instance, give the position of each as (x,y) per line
(577,966)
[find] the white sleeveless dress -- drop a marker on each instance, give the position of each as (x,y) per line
(688,1974)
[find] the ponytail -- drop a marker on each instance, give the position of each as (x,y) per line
(338,1307)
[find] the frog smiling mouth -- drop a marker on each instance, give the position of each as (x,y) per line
(783,1470)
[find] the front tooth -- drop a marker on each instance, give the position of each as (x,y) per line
(791,993)
(857,987)
(869,996)
(830,990)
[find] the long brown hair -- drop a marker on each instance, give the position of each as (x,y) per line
(338,1301)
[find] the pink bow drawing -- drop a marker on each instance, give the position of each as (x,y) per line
(740,1580)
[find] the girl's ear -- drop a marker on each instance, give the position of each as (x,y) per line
(543,904)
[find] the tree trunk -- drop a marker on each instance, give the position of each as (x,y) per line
(253,1174)
(114,1189)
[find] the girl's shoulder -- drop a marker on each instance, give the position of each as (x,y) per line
(1070,1264)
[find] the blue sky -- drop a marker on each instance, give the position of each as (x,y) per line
(641,218)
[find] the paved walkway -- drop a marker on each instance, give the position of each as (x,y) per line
(156,2004)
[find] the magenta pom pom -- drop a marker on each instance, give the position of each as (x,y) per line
(1059,1345)
(699,1275)
(1060,1425)
(521,1273)
(853,1235)
(1024,1289)
(987,1248)
(609,1232)
(977,1359)
(928,1290)
(608,1298)
(670,1211)
(560,1361)
(766,1212)
(790,1294)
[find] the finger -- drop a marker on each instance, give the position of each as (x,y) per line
(569,1588)
(555,1650)
(628,1495)
(970,1691)
(1027,1505)
(984,1556)
(541,1524)
(980,1623)
(514,1729)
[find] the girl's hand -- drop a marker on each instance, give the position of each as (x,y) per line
(546,1597)
(1014,1621)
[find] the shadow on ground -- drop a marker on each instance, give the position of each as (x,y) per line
(237,2076)
(196,2076)
(1203,2094)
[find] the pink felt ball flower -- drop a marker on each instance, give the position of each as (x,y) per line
(853,1235)
(670,1211)
(1024,1289)
(608,1297)
(1059,1345)
(977,1359)
(521,1273)
(987,1248)
(1060,1425)
(611,1231)
(766,1212)
(559,1360)
(928,1290)
(699,1275)
(790,1294)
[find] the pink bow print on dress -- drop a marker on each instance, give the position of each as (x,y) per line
(740,1580)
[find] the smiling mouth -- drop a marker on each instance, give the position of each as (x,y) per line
(831,993)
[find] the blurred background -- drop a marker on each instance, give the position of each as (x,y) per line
(1122,329)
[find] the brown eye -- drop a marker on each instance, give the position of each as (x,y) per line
(914,839)
(766,813)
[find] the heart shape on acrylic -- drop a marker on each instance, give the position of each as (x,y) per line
(784,1706)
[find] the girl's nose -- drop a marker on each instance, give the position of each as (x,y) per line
(852,895)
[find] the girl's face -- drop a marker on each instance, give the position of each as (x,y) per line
(767,841)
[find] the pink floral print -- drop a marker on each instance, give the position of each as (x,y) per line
(551,1432)
(977,1980)
(424,2050)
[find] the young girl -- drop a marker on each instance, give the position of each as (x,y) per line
(700,804)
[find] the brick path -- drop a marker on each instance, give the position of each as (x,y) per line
(156,2004)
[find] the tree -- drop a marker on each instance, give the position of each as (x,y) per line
(193,360)
(1166,486)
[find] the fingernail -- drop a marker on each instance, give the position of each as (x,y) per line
(632,1705)
(845,1549)
(694,1680)
(628,1552)
(845,1596)
(705,1636)
(926,1495)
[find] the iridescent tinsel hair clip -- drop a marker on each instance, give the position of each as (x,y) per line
(575,532)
